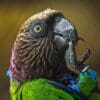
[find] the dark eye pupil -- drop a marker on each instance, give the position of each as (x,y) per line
(37,28)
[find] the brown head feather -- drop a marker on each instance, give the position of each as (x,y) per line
(38,57)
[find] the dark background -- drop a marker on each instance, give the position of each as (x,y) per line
(84,14)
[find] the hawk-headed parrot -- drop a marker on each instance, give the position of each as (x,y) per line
(38,70)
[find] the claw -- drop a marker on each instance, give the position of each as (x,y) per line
(71,58)
(86,56)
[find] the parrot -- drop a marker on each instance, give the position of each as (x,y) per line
(40,55)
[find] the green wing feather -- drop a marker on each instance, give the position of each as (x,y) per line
(95,96)
(86,85)
(39,89)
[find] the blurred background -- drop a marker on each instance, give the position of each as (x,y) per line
(84,14)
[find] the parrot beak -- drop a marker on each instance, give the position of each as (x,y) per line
(64,32)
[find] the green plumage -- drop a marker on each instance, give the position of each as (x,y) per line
(41,90)
(95,96)
(38,89)
(86,85)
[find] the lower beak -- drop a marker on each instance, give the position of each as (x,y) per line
(60,42)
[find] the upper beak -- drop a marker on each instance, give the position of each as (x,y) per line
(64,32)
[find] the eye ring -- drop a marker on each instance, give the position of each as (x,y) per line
(37,28)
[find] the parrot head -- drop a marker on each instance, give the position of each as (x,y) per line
(40,46)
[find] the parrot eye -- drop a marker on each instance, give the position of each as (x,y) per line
(38,29)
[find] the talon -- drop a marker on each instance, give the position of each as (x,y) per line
(85,57)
